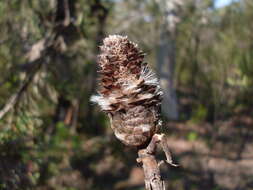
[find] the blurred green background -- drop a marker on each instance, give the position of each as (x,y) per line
(52,137)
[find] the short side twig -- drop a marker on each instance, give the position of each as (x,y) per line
(166,150)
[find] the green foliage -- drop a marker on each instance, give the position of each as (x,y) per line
(199,114)
(192,136)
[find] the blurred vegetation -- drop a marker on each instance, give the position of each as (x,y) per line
(52,137)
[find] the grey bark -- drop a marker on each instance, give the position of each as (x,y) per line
(166,65)
(166,56)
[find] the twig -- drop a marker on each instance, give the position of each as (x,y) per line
(153,179)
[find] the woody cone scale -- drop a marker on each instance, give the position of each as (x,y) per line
(129,92)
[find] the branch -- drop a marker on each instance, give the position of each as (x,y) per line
(36,57)
(153,179)
(13,100)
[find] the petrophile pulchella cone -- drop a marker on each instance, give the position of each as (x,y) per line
(128,91)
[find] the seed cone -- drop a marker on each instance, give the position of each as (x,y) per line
(128,91)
